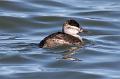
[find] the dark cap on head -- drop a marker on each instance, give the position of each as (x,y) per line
(72,22)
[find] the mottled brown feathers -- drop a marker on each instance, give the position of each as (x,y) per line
(59,38)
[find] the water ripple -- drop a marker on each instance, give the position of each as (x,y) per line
(24,23)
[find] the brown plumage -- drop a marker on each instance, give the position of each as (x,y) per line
(58,39)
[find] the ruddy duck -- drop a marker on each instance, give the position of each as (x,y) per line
(69,36)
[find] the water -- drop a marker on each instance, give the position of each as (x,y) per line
(23,23)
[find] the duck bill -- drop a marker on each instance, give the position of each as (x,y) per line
(83,30)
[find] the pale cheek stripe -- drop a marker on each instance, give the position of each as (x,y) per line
(73,27)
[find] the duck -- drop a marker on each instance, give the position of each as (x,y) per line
(69,36)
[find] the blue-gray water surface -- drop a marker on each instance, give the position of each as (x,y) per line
(24,23)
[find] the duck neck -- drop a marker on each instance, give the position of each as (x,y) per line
(77,36)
